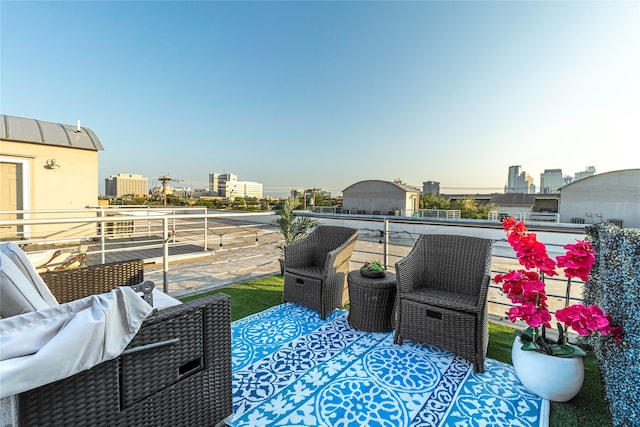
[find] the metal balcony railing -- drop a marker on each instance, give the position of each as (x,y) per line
(239,242)
(527,216)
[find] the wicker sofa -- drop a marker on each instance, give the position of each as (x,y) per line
(316,268)
(442,295)
(175,372)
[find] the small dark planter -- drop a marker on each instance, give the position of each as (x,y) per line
(281,261)
(373,274)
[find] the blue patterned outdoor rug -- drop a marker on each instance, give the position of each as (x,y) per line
(290,368)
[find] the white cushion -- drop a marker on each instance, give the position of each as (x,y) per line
(17,293)
(54,343)
(20,259)
(162,300)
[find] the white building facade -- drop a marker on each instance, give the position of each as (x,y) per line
(589,171)
(244,189)
(125,184)
(607,197)
(217,183)
(551,181)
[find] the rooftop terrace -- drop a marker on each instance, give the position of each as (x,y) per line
(189,253)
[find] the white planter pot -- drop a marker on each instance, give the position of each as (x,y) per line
(558,379)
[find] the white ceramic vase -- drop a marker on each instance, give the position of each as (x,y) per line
(558,379)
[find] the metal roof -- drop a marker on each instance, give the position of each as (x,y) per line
(19,129)
(404,187)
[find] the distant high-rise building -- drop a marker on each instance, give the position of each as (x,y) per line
(235,189)
(512,178)
(213,183)
(431,187)
(589,171)
(126,184)
(310,195)
(519,181)
(183,192)
(551,181)
(217,182)
(297,193)
(319,192)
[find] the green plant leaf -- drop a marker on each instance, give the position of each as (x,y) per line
(562,335)
(291,225)
(530,346)
(567,350)
(526,334)
(544,345)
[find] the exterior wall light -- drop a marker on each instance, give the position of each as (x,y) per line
(51,164)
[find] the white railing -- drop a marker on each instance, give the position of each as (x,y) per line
(431,213)
(113,233)
(162,235)
(526,216)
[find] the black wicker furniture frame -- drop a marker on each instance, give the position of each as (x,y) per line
(371,301)
(175,372)
(316,268)
(442,295)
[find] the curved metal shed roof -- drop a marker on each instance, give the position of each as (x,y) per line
(19,129)
(405,187)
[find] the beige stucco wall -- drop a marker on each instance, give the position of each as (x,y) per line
(602,197)
(74,185)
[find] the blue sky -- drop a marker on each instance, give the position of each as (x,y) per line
(304,94)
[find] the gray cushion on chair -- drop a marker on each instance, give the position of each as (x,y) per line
(17,293)
(314,272)
(22,262)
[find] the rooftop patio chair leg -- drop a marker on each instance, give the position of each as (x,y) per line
(397,339)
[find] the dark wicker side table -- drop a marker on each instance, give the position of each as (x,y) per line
(372,301)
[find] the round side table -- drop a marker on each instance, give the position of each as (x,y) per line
(372,301)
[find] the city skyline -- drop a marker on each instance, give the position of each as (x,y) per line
(286,191)
(326,94)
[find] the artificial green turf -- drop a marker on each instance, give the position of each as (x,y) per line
(587,409)
(500,341)
(251,297)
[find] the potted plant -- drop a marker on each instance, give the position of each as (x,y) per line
(292,227)
(373,269)
(551,369)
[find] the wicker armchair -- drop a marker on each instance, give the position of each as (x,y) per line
(316,268)
(175,372)
(442,295)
